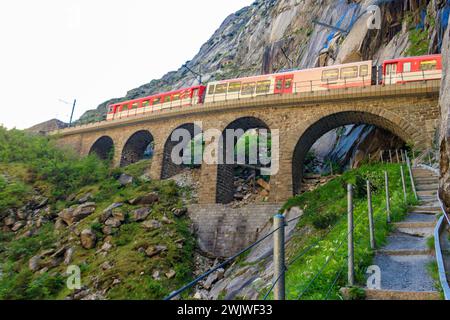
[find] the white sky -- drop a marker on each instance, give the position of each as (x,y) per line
(93,50)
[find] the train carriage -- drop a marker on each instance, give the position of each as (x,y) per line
(411,69)
(180,98)
(357,74)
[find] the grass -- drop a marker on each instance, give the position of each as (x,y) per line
(321,271)
(32,165)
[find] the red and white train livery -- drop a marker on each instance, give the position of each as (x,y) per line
(358,74)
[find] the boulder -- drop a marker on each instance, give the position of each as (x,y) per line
(141,214)
(151,225)
(154,250)
(263,184)
(125,179)
(10,221)
(88,239)
(35,263)
(166,220)
(18,225)
(22,214)
(108,230)
(113,222)
(60,224)
(85,198)
(108,212)
(68,256)
(148,199)
(119,215)
(177,212)
(74,215)
(171,274)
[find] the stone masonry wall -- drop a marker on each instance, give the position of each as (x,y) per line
(223,231)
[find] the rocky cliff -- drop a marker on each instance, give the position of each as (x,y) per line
(270,35)
(445,125)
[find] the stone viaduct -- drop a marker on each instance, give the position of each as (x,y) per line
(410,111)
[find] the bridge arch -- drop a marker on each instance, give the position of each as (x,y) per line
(103,147)
(136,147)
(169,168)
(225,172)
(316,129)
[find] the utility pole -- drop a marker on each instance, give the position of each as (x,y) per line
(73,109)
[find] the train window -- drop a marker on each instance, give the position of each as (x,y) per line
(110,109)
(176,97)
(186,94)
(330,75)
(248,88)
(428,65)
(263,86)
(135,105)
(288,84)
(157,101)
(349,72)
(167,98)
(279,84)
(364,71)
(126,106)
(234,87)
(145,104)
(407,67)
(211,89)
(221,88)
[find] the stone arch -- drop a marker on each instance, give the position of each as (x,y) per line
(103,148)
(327,123)
(225,172)
(135,147)
(169,168)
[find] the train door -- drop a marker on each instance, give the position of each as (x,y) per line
(195,96)
(284,84)
(391,73)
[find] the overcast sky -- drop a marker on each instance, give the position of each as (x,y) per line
(54,50)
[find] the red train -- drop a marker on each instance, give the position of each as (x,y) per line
(358,74)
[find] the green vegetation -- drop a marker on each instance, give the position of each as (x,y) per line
(323,230)
(32,165)
(419,43)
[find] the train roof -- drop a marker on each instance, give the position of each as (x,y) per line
(431,56)
(158,94)
(288,72)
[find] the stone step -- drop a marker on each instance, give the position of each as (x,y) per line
(427,187)
(405,272)
(402,241)
(425,209)
(423,175)
(427,193)
(420,217)
(402,295)
(404,252)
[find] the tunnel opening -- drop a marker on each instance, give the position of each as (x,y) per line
(344,141)
(103,148)
(244,159)
(140,146)
(183,150)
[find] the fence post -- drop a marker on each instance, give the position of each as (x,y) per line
(405,195)
(381,156)
(371,224)
(390,155)
(413,184)
(388,200)
(398,158)
(351,248)
(279,224)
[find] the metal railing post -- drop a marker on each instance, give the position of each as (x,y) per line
(390,155)
(370,210)
(381,156)
(413,184)
(279,224)
(351,248)
(398,157)
(388,198)
(405,195)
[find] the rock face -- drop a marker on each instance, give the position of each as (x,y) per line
(257,39)
(445,124)
(88,239)
(74,215)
